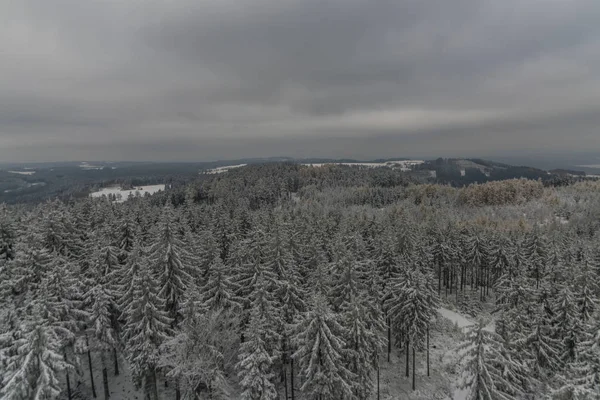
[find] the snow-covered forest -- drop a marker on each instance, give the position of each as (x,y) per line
(284,281)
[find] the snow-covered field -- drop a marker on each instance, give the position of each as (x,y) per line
(404,165)
(220,170)
(85,165)
(22,172)
(150,189)
(589,166)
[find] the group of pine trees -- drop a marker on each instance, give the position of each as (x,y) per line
(241,285)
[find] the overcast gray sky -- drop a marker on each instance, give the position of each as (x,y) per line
(213,79)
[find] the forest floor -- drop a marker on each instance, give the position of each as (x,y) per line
(442,384)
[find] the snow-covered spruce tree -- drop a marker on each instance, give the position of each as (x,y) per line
(222,229)
(201,353)
(541,347)
(319,280)
(263,302)
(291,299)
(291,296)
(417,305)
(520,259)
(384,255)
(101,321)
(364,341)
(248,264)
(105,260)
(256,361)
(312,256)
(586,291)
(566,325)
(486,368)
(220,290)
(125,239)
(207,251)
(443,256)
(126,286)
(60,298)
(278,257)
(25,273)
(147,326)
(32,366)
(393,303)
(8,234)
(319,338)
(581,379)
(477,257)
(536,248)
(170,262)
(405,233)
(501,259)
(348,275)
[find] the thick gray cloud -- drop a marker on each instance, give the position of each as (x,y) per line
(208,79)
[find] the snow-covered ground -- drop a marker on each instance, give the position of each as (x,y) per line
(151,189)
(461,322)
(22,172)
(404,165)
(589,165)
(220,170)
(85,165)
(442,384)
(121,387)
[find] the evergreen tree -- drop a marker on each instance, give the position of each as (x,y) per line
(319,338)
(220,290)
(256,362)
(125,239)
(147,327)
(32,368)
(196,358)
(542,347)
(582,377)
(487,370)
(101,319)
(8,235)
(363,344)
(349,282)
(170,260)
(566,325)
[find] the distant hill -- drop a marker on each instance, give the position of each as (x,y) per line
(34,182)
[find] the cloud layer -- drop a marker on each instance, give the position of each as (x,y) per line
(208,79)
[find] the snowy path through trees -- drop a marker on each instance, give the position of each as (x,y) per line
(462,322)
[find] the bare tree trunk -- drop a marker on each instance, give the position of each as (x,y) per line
(378,377)
(151,388)
(68,377)
(407,358)
(105,377)
(89,354)
(439,279)
(428,351)
(292,378)
(413,382)
(389,332)
(285,384)
(116,361)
